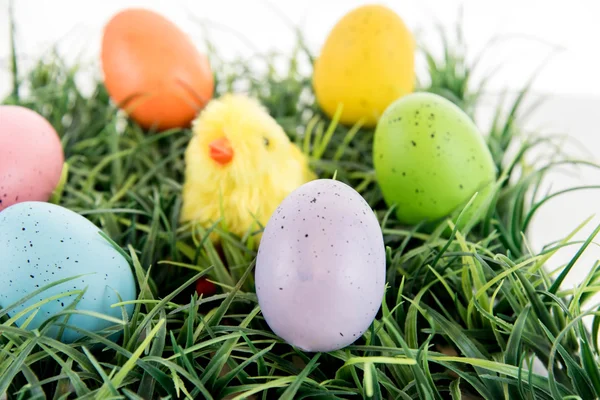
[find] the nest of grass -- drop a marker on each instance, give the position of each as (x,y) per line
(463,317)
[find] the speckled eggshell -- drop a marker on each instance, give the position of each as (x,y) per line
(41,243)
(430,158)
(320,270)
(31,156)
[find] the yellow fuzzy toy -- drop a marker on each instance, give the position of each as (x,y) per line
(240,165)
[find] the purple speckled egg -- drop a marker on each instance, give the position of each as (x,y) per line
(320,271)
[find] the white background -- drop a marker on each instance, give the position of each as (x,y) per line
(532,31)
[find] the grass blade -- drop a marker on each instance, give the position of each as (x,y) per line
(291,390)
(129,365)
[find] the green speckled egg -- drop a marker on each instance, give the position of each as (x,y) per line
(429,157)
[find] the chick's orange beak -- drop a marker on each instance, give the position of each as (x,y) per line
(220,150)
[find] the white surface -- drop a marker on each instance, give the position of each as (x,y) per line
(533,29)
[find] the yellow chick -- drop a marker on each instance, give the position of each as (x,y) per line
(240,165)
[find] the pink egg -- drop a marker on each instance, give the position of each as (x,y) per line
(31,156)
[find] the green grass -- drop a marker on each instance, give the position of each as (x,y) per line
(464,316)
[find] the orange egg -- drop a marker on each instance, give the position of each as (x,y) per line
(153,71)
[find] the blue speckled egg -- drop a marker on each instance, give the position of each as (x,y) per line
(41,243)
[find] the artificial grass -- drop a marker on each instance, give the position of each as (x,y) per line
(464,316)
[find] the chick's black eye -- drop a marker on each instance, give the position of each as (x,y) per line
(266,141)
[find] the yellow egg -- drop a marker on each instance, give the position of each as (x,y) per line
(365,64)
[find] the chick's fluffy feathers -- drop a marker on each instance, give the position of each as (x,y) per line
(265,168)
